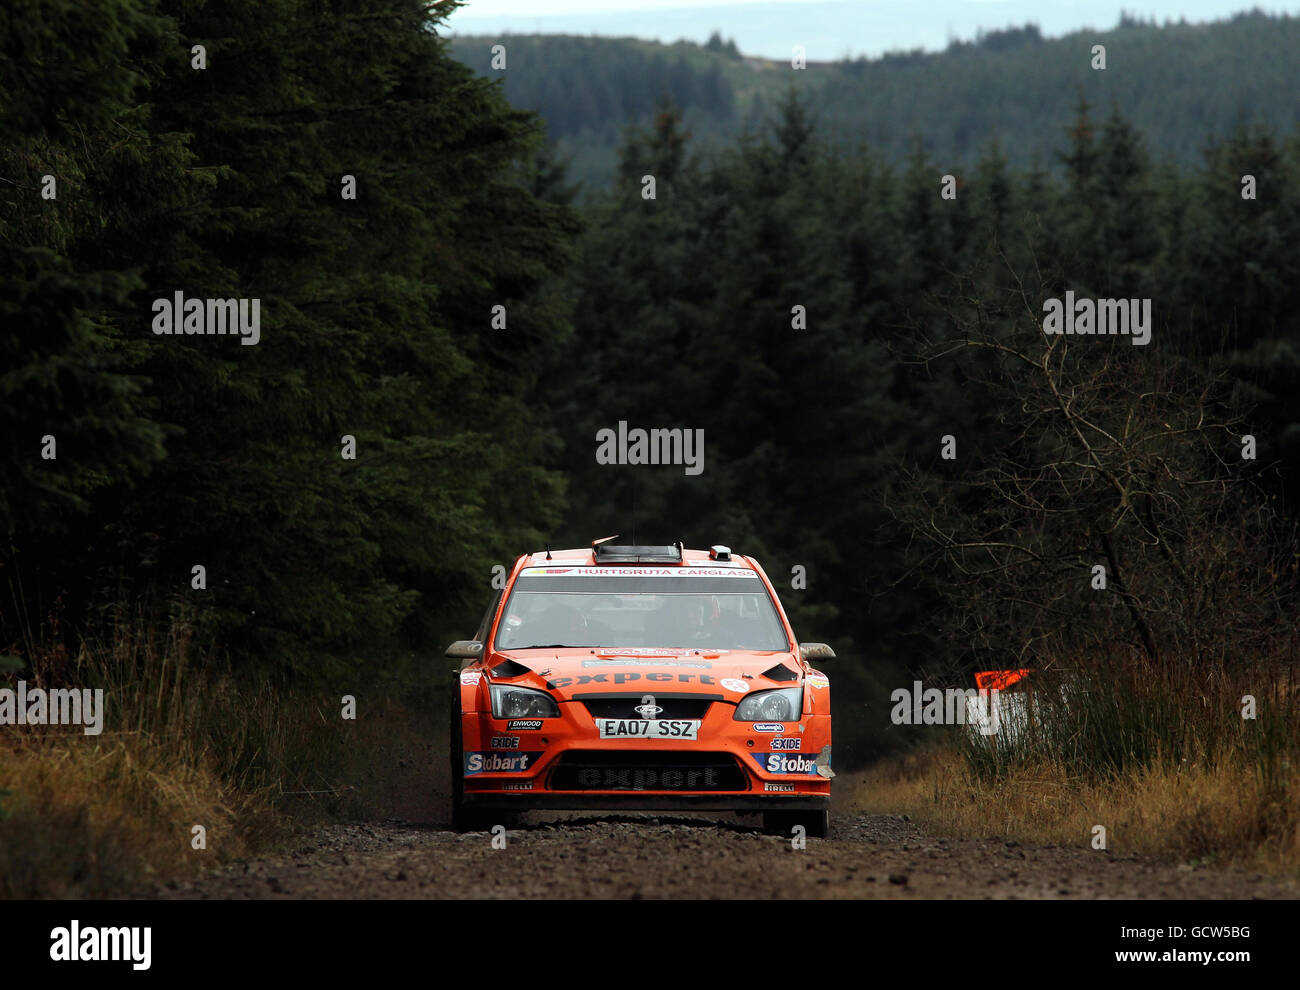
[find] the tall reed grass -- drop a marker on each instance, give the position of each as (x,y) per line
(188,741)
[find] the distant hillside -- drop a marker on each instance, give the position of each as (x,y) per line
(1178,83)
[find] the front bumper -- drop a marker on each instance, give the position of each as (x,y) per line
(563,764)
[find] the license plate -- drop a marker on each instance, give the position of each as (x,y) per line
(654,728)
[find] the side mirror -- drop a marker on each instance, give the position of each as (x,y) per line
(465,649)
(815,651)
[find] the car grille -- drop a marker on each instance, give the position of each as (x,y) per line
(636,770)
(625,705)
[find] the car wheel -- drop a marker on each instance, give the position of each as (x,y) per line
(466,819)
(462,820)
(816,824)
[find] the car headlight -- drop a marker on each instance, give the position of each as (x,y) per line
(785,705)
(517,702)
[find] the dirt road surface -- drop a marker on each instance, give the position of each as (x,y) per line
(628,857)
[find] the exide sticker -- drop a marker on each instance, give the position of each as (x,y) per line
(769,727)
(785,744)
(523,724)
(512,742)
(498,762)
(786,762)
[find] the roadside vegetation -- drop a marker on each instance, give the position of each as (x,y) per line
(1159,757)
(190,743)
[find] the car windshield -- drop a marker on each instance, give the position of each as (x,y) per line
(640,607)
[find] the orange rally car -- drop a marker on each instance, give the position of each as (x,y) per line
(640,678)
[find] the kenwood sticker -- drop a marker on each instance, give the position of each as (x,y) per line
(523,724)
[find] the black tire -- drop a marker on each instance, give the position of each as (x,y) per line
(460,819)
(816,824)
(464,819)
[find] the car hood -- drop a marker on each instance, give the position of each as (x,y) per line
(567,673)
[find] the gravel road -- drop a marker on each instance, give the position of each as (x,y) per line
(632,856)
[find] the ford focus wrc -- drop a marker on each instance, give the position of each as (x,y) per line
(640,678)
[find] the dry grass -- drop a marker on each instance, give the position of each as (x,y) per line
(96,818)
(187,743)
(1157,753)
(1220,811)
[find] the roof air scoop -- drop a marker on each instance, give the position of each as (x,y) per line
(719,552)
(611,553)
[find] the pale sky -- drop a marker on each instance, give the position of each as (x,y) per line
(829,29)
(540,7)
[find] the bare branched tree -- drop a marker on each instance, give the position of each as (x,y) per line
(1115,512)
